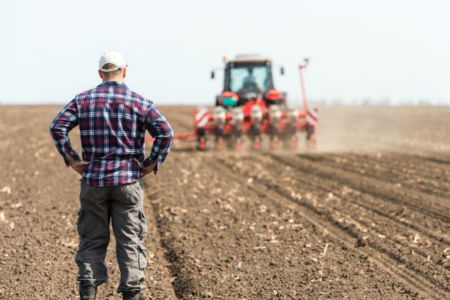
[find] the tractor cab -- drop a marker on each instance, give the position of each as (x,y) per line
(248,78)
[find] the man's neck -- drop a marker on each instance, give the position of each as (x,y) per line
(117,79)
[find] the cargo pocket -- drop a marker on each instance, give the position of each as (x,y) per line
(86,192)
(143,229)
(142,257)
(80,222)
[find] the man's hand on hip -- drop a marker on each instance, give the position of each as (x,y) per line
(77,166)
(146,170)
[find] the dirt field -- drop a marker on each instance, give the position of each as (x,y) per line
(364,216)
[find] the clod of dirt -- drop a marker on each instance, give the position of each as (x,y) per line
(2,216)
(416,238)
(207,295)
(262,209)
(259,248)
(6,189)
(325,249)
(360,243)
(238,265)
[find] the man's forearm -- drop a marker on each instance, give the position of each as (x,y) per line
(160,129)
(160,149)
(59,130)
(62,143)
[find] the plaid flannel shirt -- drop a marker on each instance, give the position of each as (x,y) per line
(112,121)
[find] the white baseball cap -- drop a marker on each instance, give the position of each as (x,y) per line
(114,58)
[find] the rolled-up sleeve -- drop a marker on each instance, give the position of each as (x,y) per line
(60,128)
(159,128)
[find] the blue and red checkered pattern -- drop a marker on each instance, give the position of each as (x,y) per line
(112,120)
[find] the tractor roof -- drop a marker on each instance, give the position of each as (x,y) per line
(249,59)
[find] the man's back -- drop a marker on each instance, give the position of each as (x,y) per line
(112,120)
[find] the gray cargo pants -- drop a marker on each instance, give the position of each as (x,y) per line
(123,205)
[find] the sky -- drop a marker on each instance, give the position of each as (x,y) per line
(358,49)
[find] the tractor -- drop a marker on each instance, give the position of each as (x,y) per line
(250,105)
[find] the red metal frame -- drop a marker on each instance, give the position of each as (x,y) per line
(246,127)
(302,84)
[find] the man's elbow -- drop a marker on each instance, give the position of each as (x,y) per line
(167,134)
(55,130)
(52,129)
(171,136)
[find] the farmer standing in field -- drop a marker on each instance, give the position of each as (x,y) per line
(112,120)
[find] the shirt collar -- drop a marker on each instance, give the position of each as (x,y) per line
(113,83)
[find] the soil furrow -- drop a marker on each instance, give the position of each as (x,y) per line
(419,202)
(240,243)
(387,171)
(183,284)
(316,219)
(389,212)
(437,160)
(388,221)
(403,162)
(157,274)
(413,272)
(352,198)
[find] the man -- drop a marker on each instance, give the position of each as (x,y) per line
(112,121)
(250,83)
(250,78)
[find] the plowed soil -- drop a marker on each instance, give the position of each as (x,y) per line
(365,215)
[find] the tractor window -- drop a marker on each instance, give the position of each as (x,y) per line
(255,79)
